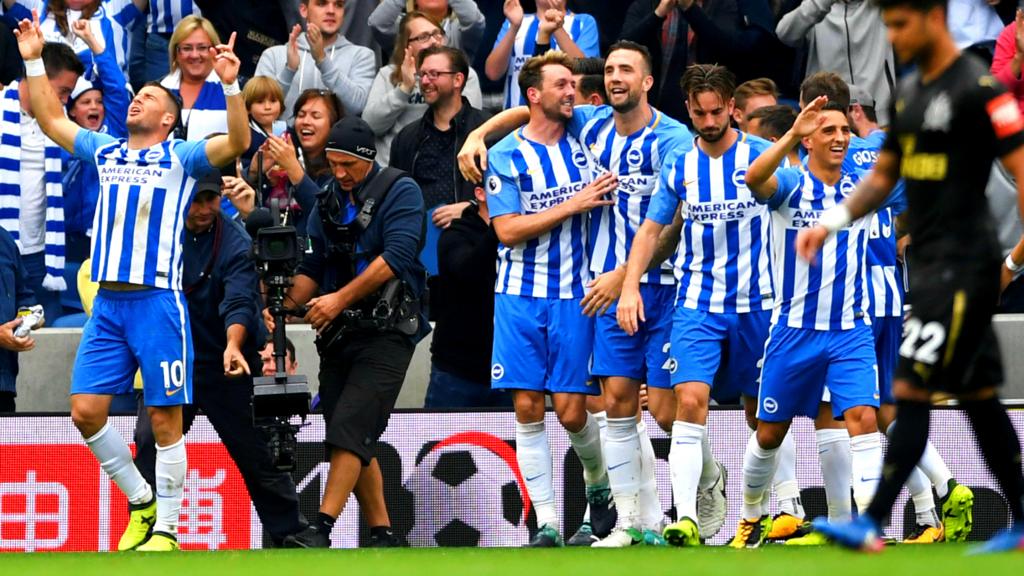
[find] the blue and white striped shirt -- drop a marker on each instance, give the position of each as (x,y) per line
(885,271)
(636,159)
(831,294)
(525,177)
(164,15)
(582,28)
(144,198)
(723,263)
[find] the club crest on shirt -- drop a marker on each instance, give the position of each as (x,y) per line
(635,157)
(579,158)
(493,185)
(739,178)
(937,114)
(846,186)
(153,156)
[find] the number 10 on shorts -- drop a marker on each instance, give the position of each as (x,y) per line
(174,374)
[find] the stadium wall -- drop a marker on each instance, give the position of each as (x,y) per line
(46,372)
(451,478)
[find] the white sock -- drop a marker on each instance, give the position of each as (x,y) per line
(171,466)
(866,465)
(602,424)
(787,490)
(587,444)
(709,469)
(651,514)
(116,460)
(834,458)
(622,453)
(924,502)
(534,455)
(758,468)
(685,463)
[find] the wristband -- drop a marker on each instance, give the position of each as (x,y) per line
(1011,265)
(232,89)
(35,67)
(835,218)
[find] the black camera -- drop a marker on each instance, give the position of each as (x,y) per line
(279,399)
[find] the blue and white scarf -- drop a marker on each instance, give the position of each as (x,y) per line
(10,187)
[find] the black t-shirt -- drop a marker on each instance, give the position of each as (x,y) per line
(946,134)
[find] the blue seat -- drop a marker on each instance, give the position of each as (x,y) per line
(69,298)
(76,320)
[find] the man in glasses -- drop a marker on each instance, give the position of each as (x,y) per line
(361,286)
(320,57)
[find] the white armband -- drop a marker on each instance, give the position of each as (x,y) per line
(35,67)
(835,218)
(232,89)
(1011,265)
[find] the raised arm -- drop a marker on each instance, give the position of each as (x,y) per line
(475,147)
(45,106)
(222,150)
(497,61)
(793,27)
(110,78)
(761,174)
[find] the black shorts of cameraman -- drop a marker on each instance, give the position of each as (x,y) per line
(360,377)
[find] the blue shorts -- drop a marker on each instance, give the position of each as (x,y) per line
(723,350)
(799,363)
(643,356)
(542,344)
(888,332)
(145,329)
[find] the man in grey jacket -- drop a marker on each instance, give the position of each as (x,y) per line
(321,58)
(846,37)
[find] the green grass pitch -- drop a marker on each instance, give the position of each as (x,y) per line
(775,560)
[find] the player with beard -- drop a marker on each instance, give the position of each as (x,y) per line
(724,300)
(948,342)
(630,139)
(139,318)
(540,192)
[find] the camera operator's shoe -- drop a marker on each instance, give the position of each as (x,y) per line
(160,542)
(141,518)
(386,540)
(310,537)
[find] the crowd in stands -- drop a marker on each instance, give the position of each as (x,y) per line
(422,74)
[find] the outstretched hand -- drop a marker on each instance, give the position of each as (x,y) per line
(30,38)
(225,62)
(810,118)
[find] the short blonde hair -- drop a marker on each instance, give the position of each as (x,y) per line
(260,88)
(187,26)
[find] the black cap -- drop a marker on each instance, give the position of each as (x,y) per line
(352,135)
(209,182)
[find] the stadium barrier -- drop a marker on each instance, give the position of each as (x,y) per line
(451,479)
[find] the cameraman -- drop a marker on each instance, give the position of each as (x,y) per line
(366,231)
(220,285)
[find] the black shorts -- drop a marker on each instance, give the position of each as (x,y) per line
(948,342)
(360,378)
